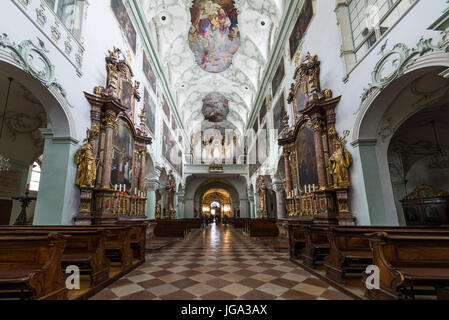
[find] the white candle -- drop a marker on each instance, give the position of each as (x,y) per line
(314,187)
(124,187)
(120,188)
(115,188)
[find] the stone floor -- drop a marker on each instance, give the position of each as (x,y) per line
(219,263)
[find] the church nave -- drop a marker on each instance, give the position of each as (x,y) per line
(219,263)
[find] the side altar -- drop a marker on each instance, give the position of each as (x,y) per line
(315,157)
(111,162)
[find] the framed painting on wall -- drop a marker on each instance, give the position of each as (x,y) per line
(171,150)
(150,109)
(278,77)
(302,23)
(122,156)
(306,157)
(149,74)
(125,22)
(278,114)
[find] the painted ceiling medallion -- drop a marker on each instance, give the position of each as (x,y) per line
(214,35)
(215,107)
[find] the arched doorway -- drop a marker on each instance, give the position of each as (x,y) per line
(217,203)
(37,138)
(400,112)
(197,186)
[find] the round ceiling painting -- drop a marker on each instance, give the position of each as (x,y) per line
(215,107)
(214,35)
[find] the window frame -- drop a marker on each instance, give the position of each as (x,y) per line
(76,15)
(353,51)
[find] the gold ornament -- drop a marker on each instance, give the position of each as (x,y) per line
(339,163)
(87,166)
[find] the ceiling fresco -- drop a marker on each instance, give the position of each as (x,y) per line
(213,46)
(214,35)
(215,107)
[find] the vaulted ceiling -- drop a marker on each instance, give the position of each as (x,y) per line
(257,23)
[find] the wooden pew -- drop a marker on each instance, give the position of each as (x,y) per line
(193,223)
(296,237)
(317,244)
(262,228)
(350,251)
(118,239)
(171,228)
(239,223)
(138,236)
(84,248)
(30,267)
(410,263)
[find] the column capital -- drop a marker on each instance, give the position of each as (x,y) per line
(152,184)
(278,186)
(109,121)
(317,125)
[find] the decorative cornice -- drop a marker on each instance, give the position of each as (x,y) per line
(403,58)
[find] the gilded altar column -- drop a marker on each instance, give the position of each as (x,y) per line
(108,124)
(143,153)
(288,174)
(317,126)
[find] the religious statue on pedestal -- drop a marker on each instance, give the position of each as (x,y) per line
(87,166)
(262,192)
(170,189)
(339,163)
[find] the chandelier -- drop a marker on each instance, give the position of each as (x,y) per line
(440,159)
(5,163)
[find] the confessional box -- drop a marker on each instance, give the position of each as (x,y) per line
(431,211)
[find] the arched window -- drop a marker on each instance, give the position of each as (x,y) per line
(215,204)
(35,177)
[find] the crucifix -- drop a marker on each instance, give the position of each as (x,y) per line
(26,200)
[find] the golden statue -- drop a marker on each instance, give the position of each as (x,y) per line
(262,192)
(87,166)
(340,162)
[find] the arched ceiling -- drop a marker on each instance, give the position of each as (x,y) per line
(258,20)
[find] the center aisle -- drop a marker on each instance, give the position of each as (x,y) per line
(219,263)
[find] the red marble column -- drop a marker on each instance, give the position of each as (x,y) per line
(108,123)
(319,152)
(288,174)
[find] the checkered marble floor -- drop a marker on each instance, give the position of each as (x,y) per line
(219,263)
